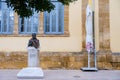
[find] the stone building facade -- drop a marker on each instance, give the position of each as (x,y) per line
(67,51)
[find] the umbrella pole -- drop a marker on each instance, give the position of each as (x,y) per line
(95,62)
(88,59)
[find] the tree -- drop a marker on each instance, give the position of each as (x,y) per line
(26,8)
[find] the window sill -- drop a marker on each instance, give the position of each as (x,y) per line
(66,34)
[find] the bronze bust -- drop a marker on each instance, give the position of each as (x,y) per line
(34,42)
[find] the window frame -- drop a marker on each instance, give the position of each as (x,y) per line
(31,21)
(8,29)
(59,15)
(41,26)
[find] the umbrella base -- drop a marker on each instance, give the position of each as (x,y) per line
(89,69)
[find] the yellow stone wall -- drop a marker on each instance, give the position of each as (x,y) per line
(59,60)
(67,51)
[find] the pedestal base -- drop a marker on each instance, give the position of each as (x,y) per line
(89,69)
(31,73)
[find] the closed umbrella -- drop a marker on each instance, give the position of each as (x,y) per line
(90,40)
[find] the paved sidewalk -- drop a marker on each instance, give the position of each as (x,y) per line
(10,74)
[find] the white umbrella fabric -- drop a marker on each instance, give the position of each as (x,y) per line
(89,30)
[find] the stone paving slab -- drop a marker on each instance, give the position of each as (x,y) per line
(11,74)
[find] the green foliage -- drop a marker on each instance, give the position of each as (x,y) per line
(66,2)
(25,8)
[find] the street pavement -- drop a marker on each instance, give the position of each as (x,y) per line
(10,74)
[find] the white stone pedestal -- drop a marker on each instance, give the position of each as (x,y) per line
(33,70)
(30,73)
(33,57)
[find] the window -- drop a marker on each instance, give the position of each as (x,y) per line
(29,25)
(6,19)
(54,21)
(43,23)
